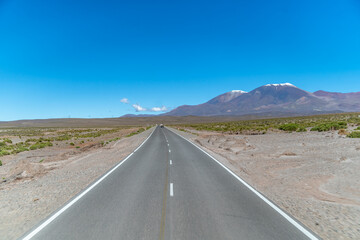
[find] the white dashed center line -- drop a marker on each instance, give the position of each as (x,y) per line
(170,162)
(171,190)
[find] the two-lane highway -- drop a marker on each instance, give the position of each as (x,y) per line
(168,189)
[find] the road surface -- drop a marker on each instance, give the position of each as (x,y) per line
(168,189)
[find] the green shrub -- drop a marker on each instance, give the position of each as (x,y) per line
(358,128)
(63,138)
(0,163)
(20,149)
(3,153)
(329,126)
(355,134)
(72,144)
(40,145)
(301,129)
(320,128)
(289,127)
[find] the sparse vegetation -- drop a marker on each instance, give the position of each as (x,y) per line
(64,137)
(40,145)
(329,126)
(3,153)
(37,138)
(137,132)
(6,140)
(355,134)
(319,123)
(184,130)
(289,127)
(114,139)
(301,129)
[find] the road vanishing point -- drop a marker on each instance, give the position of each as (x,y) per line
(169,188)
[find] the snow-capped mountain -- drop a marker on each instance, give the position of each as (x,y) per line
(283,98)
(226,97)
(279,85)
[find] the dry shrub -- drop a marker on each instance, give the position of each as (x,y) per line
(343,132)
(288,153)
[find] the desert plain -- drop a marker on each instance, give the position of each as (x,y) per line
(312,175)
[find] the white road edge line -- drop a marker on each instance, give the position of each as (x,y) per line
(63,209)
(276,208)
(171,190)
(170,162)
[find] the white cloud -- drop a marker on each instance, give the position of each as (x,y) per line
(139,108)
(159,109)
(124,100)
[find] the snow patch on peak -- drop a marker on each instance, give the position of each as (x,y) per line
(279,84)
(238,91)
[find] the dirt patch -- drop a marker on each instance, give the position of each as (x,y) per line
(313,176)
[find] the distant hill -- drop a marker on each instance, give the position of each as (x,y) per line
(274,99)
(137,115)
(116,122)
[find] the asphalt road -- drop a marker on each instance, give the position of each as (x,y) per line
(168,189)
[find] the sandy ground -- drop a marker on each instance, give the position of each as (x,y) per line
(313,176)
(36,183)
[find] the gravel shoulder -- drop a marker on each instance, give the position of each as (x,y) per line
(37,188)
(313,176)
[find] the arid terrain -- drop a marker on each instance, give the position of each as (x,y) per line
(312,175)
(35,183)
(309,166)
(115,122)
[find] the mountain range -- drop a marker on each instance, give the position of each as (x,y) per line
(273,99)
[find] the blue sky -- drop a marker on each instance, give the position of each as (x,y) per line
(80,58)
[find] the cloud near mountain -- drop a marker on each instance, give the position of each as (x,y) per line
(139,108)
(159,109)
